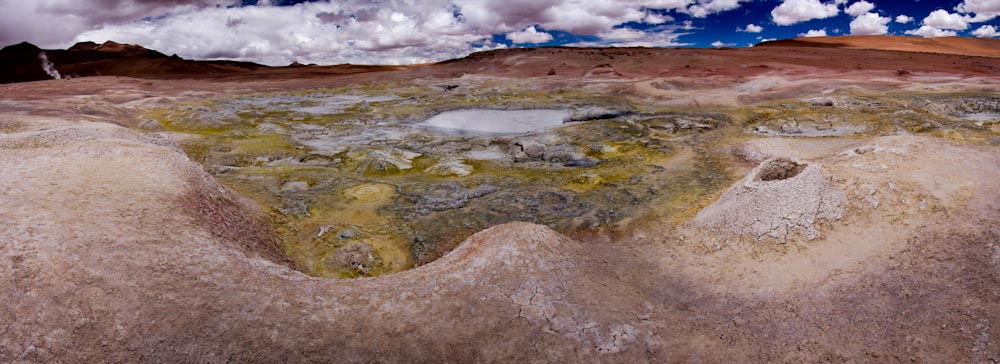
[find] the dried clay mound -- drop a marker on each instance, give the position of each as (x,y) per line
(779,198)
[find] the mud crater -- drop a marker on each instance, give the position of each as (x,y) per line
(779,169)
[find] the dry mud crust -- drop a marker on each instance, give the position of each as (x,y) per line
(103,263)
(778,198)
(109,261)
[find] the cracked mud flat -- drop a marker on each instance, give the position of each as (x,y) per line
(282,223)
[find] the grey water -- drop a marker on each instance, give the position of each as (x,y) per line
(486,122)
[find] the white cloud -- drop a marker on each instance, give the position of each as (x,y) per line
(720,44)
(751,28)
(368,31)
(870,24)
(942,19)
(54,23)
(796,11)
(342,31)
(705,8)
(986,31)
(814,33)
(529,35)
(325,33)
(859,8)
(654,18)
(903,19)
(622,34)
(626,37)
(985,10)
(928,31)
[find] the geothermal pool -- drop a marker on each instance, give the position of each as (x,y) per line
(980,117)
(486,122)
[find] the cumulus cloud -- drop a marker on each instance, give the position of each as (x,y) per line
(705,8)
(941,23)
(343,31)
(310,32)
(751,28)
(796,11)
(654,18)
(362,32)
(986,31)
(859,8)
(870,24)
(720,44)
(942,19)
(984,10)
(814,33)
(663,36)
(53,23)
(928,31)
(903,19)
(529,35)
(652,40)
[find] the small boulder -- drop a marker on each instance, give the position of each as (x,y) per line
(150,125)
(295,186)
(694,123)
(355,257)
(384,161)
(450,168)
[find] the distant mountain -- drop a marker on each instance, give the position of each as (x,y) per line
(22,62)
(965,46)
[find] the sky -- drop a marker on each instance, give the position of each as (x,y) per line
(279,32)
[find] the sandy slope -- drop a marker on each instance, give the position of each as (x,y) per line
(979,47)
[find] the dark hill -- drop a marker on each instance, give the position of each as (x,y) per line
(21,63)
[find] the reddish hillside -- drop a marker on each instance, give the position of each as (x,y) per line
(982,47)
(21,63)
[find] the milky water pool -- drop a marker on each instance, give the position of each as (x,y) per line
(981,117)
(495,122)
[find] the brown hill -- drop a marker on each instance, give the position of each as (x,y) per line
(21,63)
(783,56)
(982,47)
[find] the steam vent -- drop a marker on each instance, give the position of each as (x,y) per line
(780,197)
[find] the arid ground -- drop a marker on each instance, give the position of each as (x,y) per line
(831,200)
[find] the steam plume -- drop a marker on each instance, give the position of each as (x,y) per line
(48,66)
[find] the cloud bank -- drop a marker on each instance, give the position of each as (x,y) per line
(349,31)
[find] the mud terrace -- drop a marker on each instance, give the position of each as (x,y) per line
(647,230)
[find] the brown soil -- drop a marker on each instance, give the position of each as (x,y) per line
(979,47)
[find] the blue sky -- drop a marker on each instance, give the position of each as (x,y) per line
(729,27)
(278,32)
